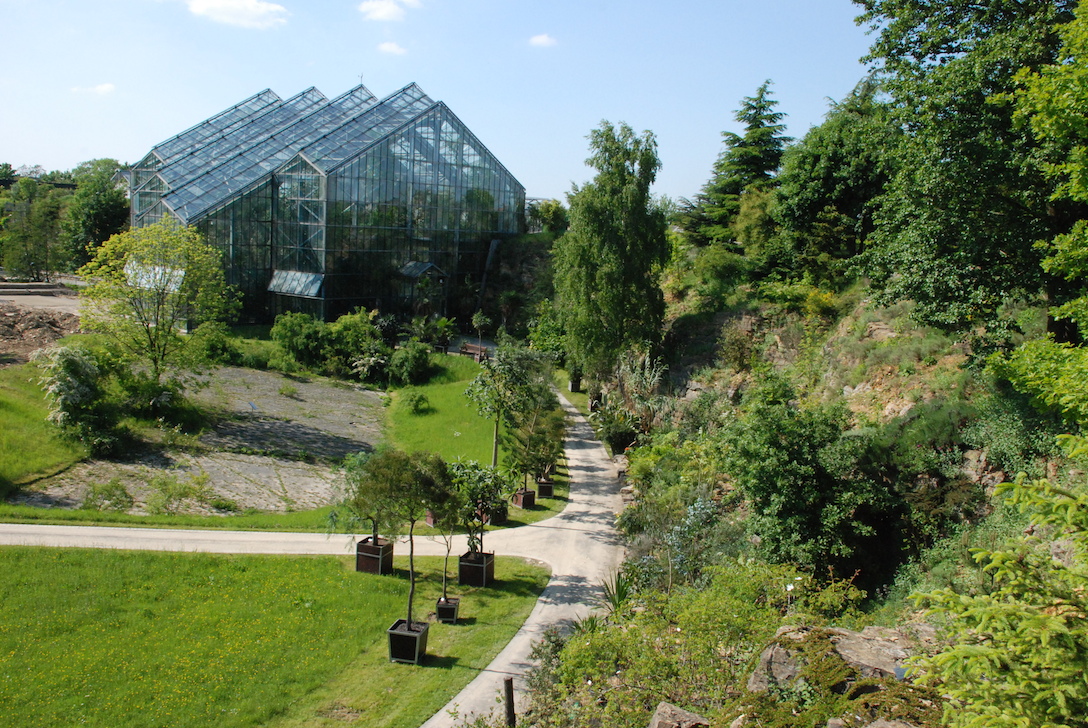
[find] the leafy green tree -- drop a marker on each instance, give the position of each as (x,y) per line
(1019,655)
(956,226)
(7,175)
(747,162)
(608,264)
(535,442)
(483,492)
(1054,102)
(508,387)
(392,489)
(369,481)
(812,503)
(549,215)
(422,483)
(99,209)
(828,184)
(145,286)
(30,234)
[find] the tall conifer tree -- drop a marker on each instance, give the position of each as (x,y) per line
(747,162)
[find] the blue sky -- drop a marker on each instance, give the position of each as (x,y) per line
(110,78)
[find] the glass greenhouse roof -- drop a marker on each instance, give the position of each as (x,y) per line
(355,135)
(225,144)
(197,172)
(195,137)
(266,151)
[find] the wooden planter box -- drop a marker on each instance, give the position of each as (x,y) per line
(446,611)
(374,558)
(408,645)
(545,488)
(524,498)
(478,571)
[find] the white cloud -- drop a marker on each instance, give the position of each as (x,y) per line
(384,10)
(100,90)
(543,40)
(256,14)
(391,47)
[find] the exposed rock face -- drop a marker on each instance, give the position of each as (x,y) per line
(669,716)
(874,652)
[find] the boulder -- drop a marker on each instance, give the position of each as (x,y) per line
(875,652)
(670,716)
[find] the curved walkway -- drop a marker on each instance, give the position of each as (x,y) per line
(580,545)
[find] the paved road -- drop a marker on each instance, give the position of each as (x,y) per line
(580,545)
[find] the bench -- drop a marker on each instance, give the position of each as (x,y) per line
(477,352)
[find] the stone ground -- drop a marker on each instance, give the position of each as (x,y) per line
(270,450)
(271,446)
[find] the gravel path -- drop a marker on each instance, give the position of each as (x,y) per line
(580,545)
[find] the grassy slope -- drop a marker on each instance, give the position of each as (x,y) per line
(108,638)
(450,426)
(29,445)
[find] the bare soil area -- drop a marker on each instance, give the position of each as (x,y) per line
(25,328)
(274,445)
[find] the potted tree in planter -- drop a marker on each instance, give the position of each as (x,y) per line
(367,500)
(423,483)
(534,440)
(483,490)
(446,518)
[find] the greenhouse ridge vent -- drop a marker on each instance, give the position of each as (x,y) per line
(323,206)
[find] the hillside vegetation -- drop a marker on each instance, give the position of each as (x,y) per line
(859,413)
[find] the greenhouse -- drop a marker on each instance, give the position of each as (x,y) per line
(323,206)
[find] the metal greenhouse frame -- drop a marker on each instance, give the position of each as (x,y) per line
(324,206)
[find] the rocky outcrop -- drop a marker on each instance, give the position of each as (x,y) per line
(875,652)
(670,716)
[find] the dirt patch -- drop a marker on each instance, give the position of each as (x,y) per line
(23,329)
(274,448)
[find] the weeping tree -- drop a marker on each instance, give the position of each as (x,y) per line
(609,262)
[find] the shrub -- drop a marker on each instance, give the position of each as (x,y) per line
(415,401)
(74,386)
(346,338)
(169,493)
(111,496)
(410,364)
(218,345)
(301,336)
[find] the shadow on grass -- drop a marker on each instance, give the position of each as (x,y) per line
(517,586)
(442,662)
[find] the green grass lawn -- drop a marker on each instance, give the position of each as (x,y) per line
(450,425)
(307,521)
(112,638)
(29,445)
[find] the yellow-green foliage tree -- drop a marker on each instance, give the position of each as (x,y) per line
(146,287)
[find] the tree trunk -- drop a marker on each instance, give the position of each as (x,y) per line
(411,569)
